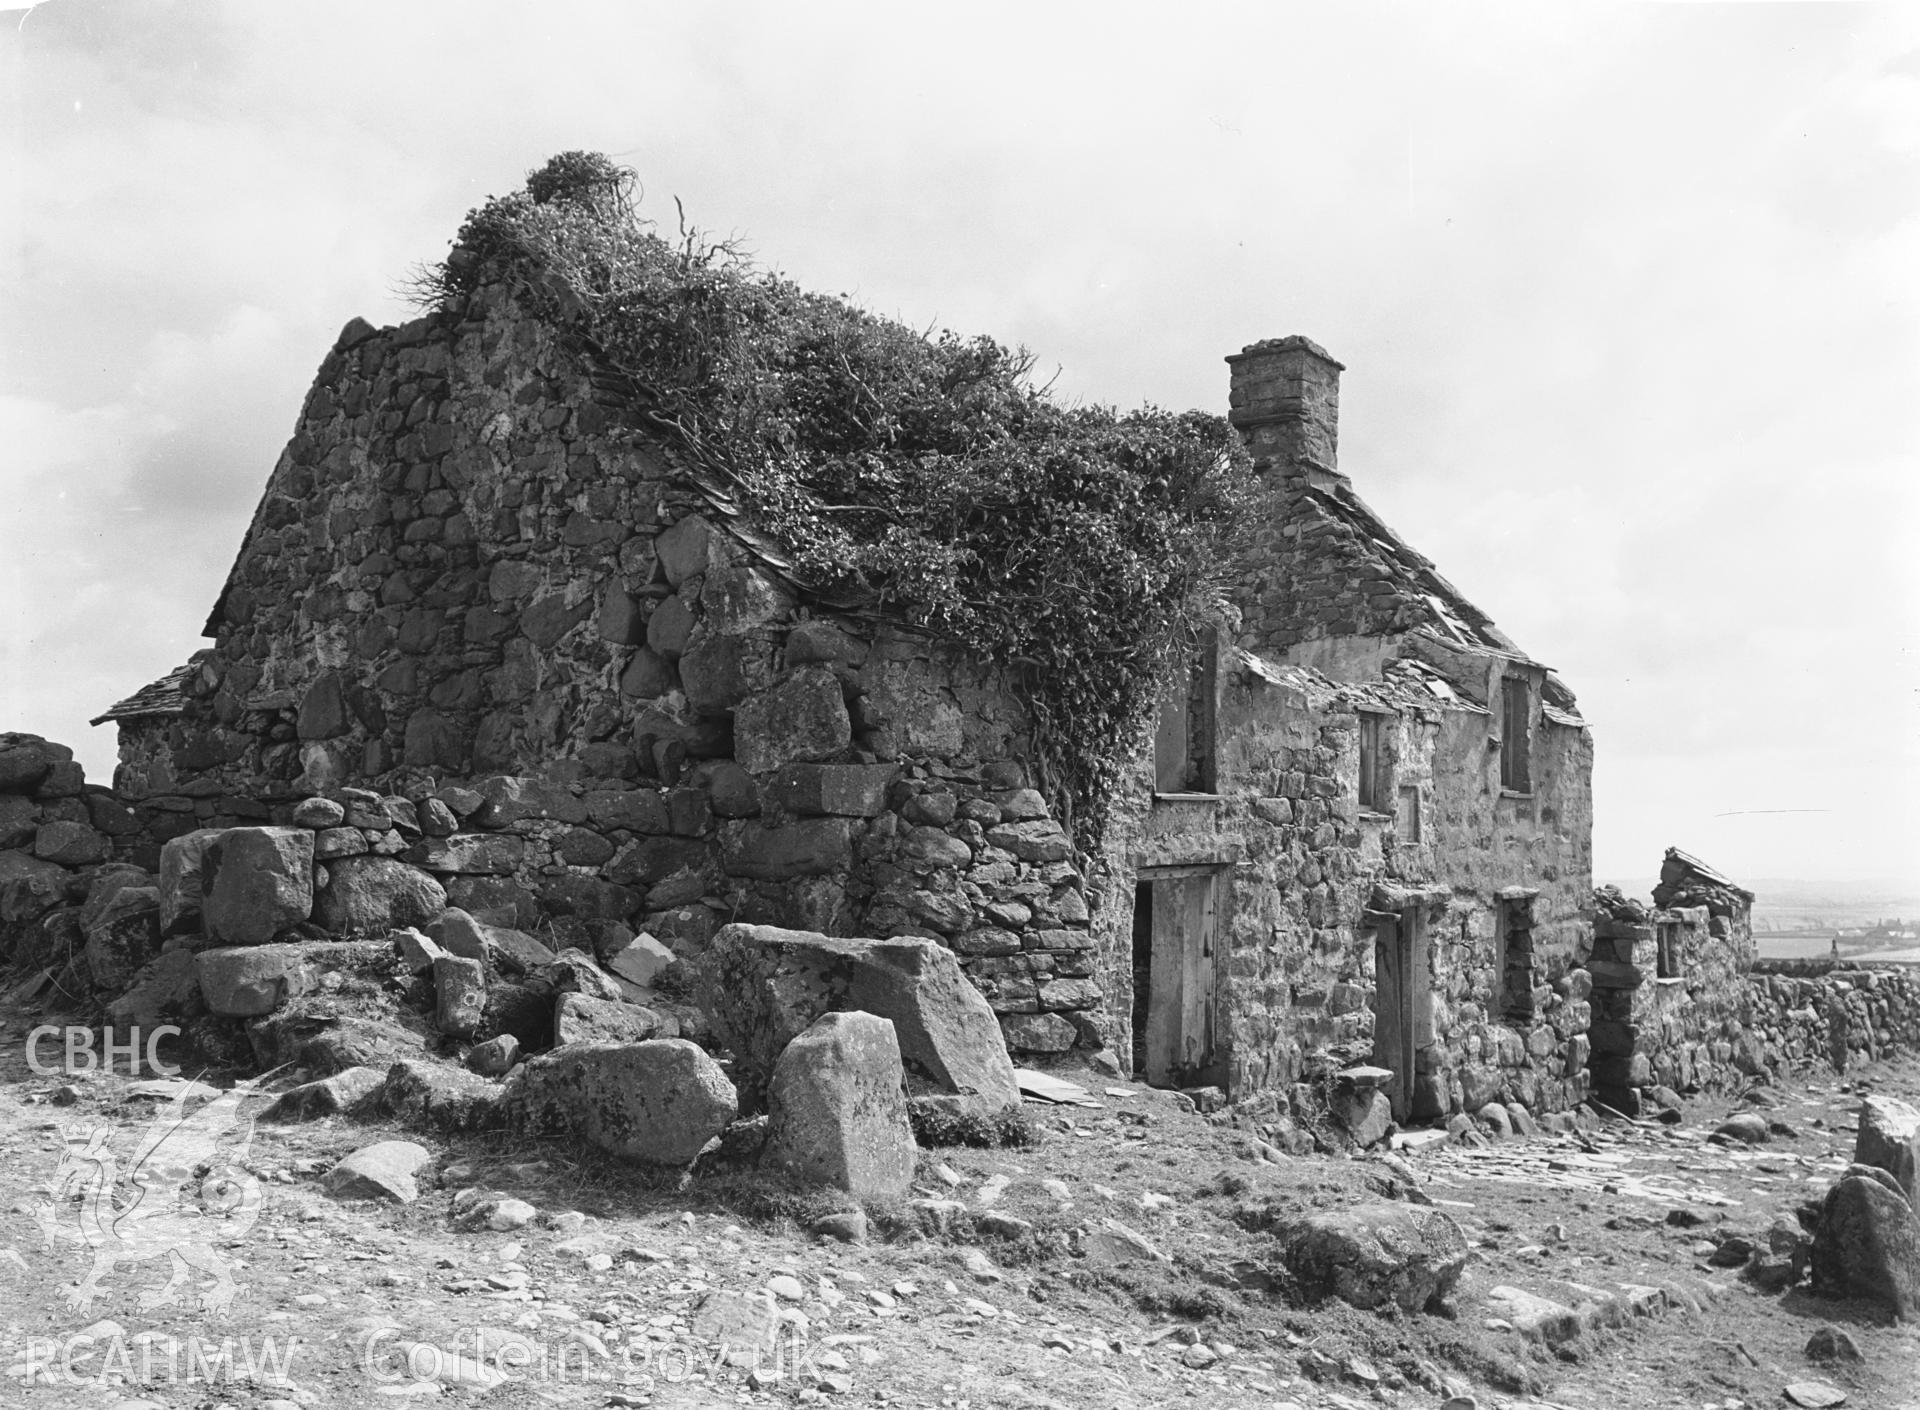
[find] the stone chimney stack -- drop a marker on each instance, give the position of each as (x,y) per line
(1285,400)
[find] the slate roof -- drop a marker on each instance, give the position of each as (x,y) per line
(164,697)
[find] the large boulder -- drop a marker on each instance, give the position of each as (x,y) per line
(255,882)
(372,895)
(27,759)
(762,987)
(1889,1137)
(1373,1254)
(839,1108)
(29,887)
(582,1018)
(181,879)
(1866,1243)
(658,1102)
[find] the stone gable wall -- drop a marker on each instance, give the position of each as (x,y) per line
(475,572)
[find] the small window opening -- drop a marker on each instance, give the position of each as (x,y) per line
(1516,962)
(1668,935)
(1183,741)
(1516,723)
(1407,815)
(1376,783)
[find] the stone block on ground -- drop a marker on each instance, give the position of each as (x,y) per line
(1538,1318)
(326,1096)
(640,960)
(384,1170)
(582,1018)
(432,1094)
(460,989)
(762,987)
(657,1102)
(1373,1254)
(373,895)
(255,882)
(496,1056)
(838,1108)
(249,981)
(1866,1244)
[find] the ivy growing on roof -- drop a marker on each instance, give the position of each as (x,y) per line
(1077,547)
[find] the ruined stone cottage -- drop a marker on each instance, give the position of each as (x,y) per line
(486,577)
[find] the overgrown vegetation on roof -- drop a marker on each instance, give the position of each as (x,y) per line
(1076,547)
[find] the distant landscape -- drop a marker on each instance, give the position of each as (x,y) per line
(1797,919)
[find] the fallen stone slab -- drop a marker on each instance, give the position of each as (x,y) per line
(327,1096)
(1888,1136)
(384,1170)
(762,987)
(1866,1243)
(255,882)
(581,1018)
(838,1109)
(658,1102)
(1368,1255)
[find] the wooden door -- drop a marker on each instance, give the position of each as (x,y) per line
(1393,1008)
(1179,1047)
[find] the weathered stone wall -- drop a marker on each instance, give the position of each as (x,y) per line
(476,573)
(1304,866)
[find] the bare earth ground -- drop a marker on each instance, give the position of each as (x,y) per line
(904,1321)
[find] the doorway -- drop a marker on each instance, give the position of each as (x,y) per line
(1175,932)
(1402,1012)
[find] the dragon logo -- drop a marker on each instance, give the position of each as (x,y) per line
(182,1194)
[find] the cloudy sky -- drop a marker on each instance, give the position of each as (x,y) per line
(1629,298)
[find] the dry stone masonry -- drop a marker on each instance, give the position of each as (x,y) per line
(519,741)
